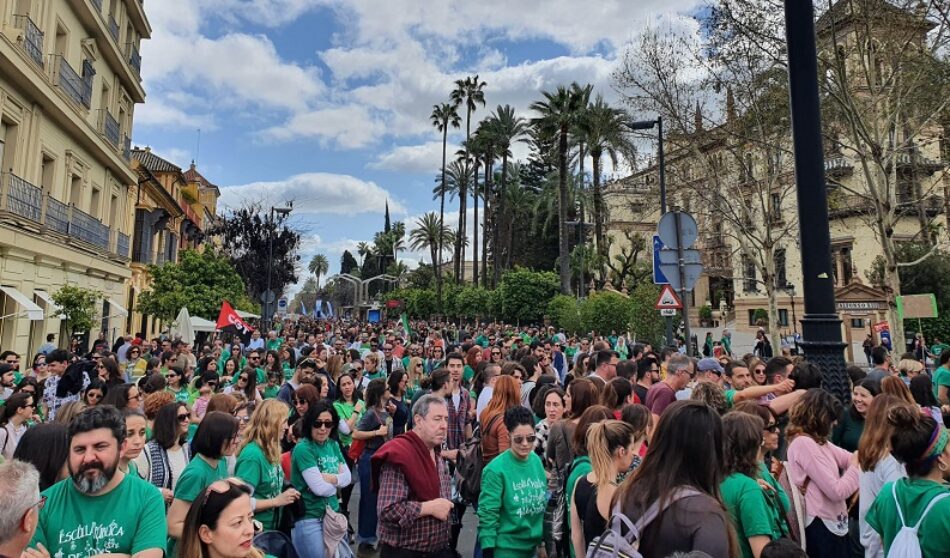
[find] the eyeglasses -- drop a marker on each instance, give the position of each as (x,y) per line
(529,439)
(39,505)
(243,378)
(29,406)
(244,420)
(495,353)
(38,364)
(183,418)
(328,424)
(301,402)
(772,428)
(136,397)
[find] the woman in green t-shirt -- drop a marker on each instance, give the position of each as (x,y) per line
(921,444)
(350,408)
(317,471)
(215,439)
(221,523)
(135,426)
(258,462)
(753,505)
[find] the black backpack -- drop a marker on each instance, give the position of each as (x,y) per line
(469,465)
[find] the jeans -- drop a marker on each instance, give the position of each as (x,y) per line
(307,536)
(368,518)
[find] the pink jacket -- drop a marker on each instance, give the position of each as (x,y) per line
(829,489)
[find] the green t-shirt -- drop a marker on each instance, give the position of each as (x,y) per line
(267,479)
(182,395)
(467,374)
(197,476)
(941,378)
(751,513)
(327,457)
(765,475)
(274,344)
(270,392)
(511,504)
(937,349)
(127,520)
(580,468)
(913,495)
(345,410)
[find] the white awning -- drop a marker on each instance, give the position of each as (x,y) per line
(246,315)
(33,311)
(51,307)
(116,308)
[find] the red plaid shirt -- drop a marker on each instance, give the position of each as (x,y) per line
(458,420)
(400,524)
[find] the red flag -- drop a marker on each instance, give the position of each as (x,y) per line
(230,322)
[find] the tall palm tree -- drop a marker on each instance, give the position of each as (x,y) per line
(319,266)
(363,249)
(506,128)
(430,235)
(471,92)
(443,116)
(557,115)
(602,129)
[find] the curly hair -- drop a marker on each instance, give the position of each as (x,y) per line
(813,415)
(712,395)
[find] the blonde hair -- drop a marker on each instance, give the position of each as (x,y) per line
(908,365)
(414,364)
(335,367)
(264,428)
(603,439)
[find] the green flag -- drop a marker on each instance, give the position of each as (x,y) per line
(405,326)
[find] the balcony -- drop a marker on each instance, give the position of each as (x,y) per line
(28,204)
(109,127)
(98,5)
(114,28)
(135,59)
(68,80)
(32,41)
(127,149)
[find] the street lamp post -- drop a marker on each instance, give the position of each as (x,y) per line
(790,290)
(269,295)
(649,125)
(821,326)
(580,224)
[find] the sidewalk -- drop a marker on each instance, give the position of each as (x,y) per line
(743,342)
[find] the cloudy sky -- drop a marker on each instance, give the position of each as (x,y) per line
(327,102)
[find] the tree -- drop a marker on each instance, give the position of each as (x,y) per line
(506,128)
(603,129)
(77,308)
(646,324)
(244,236)
(471,92)
(564,313)
(557,116)
(430,235)
(443,116)
(348,263)
(318,266)
(605,312)
(524,295)
(473,302)
(199,281)
(307,297)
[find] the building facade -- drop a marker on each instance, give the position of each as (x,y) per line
(69,83)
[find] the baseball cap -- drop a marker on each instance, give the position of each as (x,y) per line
(709,364)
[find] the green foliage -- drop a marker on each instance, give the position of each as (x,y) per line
(705,312)
(760,316)
(418,303)
(604,312)
(645,321)
(199,281)
(348,263)
(564,313)
(524,295)
(472,302)
(77,307)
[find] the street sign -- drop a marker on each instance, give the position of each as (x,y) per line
(691,273)
(670,256)
(658,277)
(667,312)
(688,232)
(268,297)
(282,305)
(668,300)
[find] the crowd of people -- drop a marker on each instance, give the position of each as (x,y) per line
(557,445)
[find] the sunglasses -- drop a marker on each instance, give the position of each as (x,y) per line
(772,428)
(301,402)
(243,378)
(328,424)
(183,418)
(529,439)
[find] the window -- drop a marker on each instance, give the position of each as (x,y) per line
(47,173)
(847,266)
(95,202)
(8,141)
(752,317)
(776,201)
(781,279)
(783,317)
(748,275)
(857,323)
(75,191)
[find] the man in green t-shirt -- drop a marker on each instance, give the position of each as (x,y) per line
(941,380)
(99,509)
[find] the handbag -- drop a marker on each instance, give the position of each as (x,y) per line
(334,530)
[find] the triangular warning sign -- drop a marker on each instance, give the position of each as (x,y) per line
(668,299)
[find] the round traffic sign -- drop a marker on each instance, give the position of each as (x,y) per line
(688,231)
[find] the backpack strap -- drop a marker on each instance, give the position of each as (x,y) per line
(932,503)
(655,509)
(897,504)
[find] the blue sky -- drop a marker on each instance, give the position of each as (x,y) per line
(326,102)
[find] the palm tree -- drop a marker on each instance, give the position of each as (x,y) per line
(557,115)
(430,235)
(363,249)
(602,129)
(506,128)
(471,92)
(319,266)
(443,116)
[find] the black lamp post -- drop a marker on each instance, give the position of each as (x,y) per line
(269,296)
(821,326)
(649,125)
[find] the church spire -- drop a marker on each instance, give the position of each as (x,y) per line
(386,226)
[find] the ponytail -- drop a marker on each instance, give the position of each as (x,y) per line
(603,439)
(918,440)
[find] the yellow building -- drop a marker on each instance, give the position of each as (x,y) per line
(69,82)
(732,284)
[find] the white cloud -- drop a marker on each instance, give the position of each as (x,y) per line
(348,126)
(159,114)
(316,193)
(417,159)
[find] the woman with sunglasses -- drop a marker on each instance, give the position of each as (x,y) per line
(135,364)
(768,445)
(109,372)
(318,470)
(513,497)
(215,439)
(258,463)
(17,413)
(125,396)
(757,367)
(175,384)
(245,385)
(94,392)
(39,369)
(304,397)
(435,360)
(228,370)
(166,455)
(220,523)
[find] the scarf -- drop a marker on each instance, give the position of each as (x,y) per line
(408,453)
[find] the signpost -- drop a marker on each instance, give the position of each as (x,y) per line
(681,266)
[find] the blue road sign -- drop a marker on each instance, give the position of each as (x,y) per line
(658,277)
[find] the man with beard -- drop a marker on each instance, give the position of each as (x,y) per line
(99,509)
